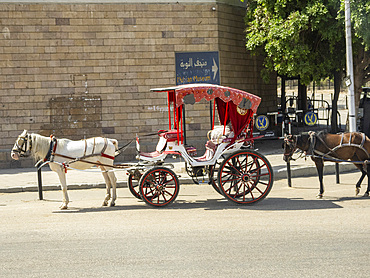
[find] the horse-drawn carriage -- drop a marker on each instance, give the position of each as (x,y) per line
(229,164)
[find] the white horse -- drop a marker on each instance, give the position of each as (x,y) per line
(81,155)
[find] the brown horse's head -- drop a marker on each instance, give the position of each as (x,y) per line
(289,145)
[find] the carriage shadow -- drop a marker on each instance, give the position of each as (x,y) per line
(270,204)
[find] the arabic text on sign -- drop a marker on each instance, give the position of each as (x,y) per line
(190,64)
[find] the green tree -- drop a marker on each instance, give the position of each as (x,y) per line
(360,15)
(306,39)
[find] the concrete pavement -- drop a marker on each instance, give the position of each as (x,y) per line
(25,179)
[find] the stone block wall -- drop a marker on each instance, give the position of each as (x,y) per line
(83,70)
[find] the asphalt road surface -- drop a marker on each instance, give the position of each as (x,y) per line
(289,234)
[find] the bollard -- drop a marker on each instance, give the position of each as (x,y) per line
(337,172)
(289,173)
(39,179)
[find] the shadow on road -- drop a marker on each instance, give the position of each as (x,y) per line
(270,204)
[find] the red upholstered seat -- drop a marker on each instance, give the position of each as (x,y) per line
(170,135)
(151,155)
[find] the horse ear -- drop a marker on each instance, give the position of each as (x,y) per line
(24,133)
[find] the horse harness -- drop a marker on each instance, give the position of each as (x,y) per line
(52,153)
(328,155)
(53,146)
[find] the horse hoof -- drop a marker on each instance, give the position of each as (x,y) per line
(104,204)
(357,191)
(112,204)
(366,195)
(319,196)
(63,206)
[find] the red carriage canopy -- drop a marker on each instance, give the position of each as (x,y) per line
(192,93)
(233,105)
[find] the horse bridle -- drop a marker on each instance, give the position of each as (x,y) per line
(292,145)
(23,149)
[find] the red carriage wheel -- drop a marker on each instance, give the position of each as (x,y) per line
(213,171)
(245,177)
(133,186)
(213,178)
(159,186)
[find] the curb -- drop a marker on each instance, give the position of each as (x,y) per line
(310,171)
(279,174)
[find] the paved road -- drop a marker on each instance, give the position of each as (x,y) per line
(289,234)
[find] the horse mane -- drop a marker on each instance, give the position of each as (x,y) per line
(303,138)
(307,134)
(40,146)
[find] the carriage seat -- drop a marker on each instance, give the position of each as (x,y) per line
(164,137)
(216,135)
(169,135)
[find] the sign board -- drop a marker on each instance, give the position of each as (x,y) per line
(310,118)
(197,67)
(262,122)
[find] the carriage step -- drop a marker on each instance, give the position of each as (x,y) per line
(204,182)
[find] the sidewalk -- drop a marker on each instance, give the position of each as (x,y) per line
(25,179)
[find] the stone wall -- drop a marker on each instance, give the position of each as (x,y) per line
(82,70)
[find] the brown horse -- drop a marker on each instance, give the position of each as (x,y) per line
(323,146)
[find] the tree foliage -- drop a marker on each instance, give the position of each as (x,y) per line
(305,39)
(360,14)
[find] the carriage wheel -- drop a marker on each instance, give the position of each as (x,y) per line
(159,186)
(213,173)
(133,186)
(245,177)
(213,178)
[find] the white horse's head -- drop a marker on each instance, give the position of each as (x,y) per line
(22,146)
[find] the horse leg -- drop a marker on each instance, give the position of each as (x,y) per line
(368,181)
(108,185)
(320,171)
(113,181)
(363,174)
(361,167)
(358,184)
(63,182)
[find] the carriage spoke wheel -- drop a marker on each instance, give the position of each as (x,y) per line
(245,177)
(212,175)
(159,186)
(213,178)
(133,186)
